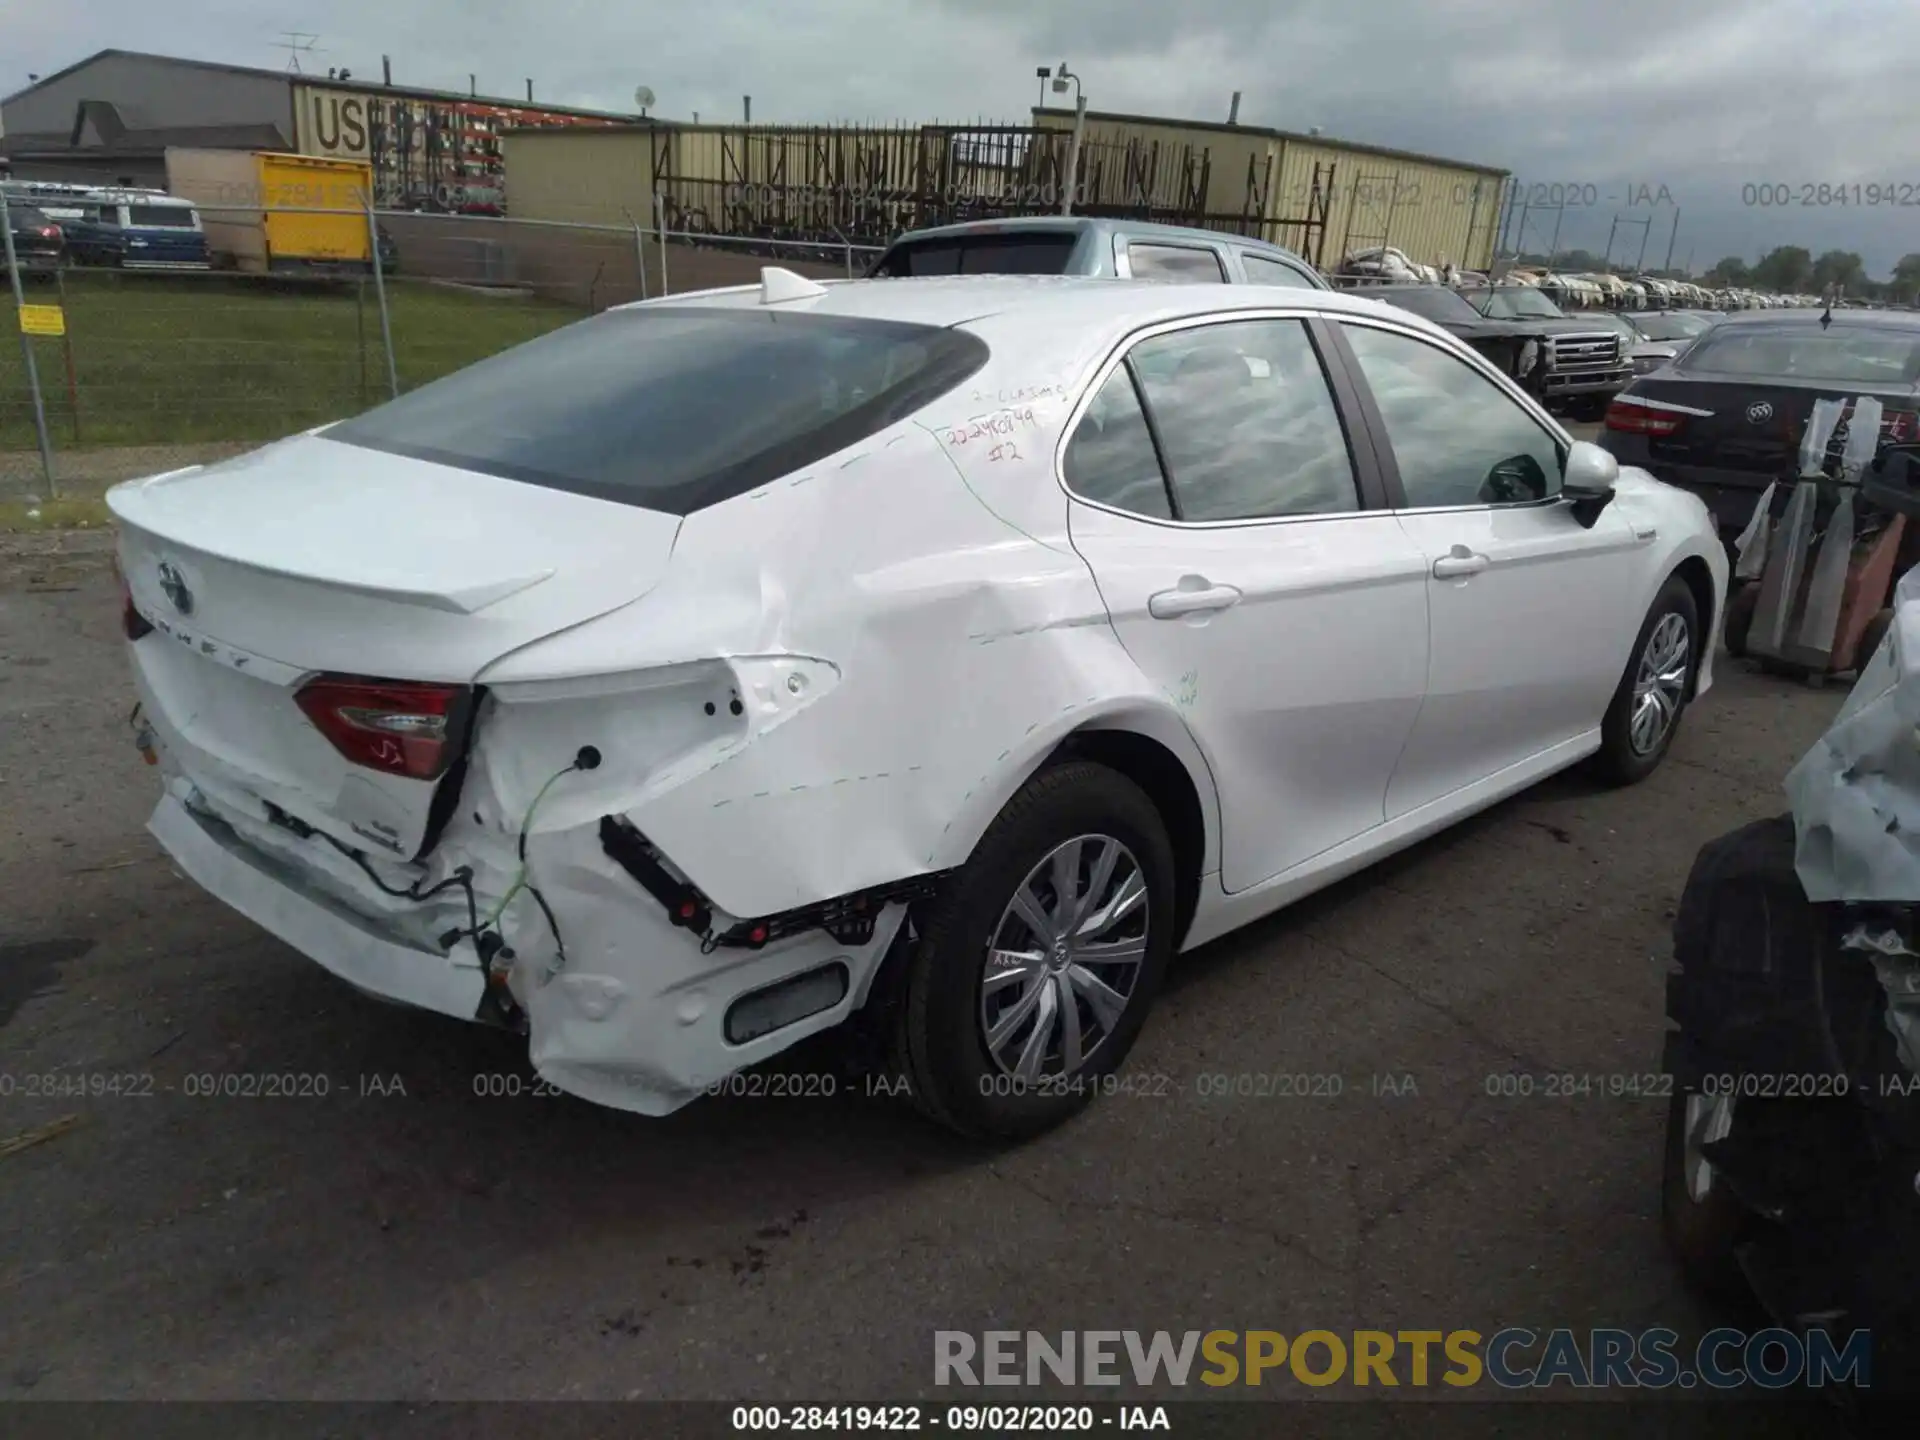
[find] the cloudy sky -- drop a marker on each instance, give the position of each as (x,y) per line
(1628,97)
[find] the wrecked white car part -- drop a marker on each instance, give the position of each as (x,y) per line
(1856,794)
(633,687)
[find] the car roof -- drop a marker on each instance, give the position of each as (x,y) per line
(1099,224)
(946,300)
(1806,319)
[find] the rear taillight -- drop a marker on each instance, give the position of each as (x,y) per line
(397,726)
(52,232)
(1631,417)
(133,624)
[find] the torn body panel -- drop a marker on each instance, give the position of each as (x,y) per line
(768,727)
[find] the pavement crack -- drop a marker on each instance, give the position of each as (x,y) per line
(1467,1026)
(1215,1222)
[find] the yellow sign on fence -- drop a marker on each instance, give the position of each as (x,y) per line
(43,320)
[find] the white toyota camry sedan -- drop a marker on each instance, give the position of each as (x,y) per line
(941,655)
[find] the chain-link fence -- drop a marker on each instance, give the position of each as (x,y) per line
(141,369)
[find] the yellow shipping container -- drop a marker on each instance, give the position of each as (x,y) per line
(265,210)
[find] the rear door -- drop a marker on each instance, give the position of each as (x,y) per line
(1529,609)
(1253,576)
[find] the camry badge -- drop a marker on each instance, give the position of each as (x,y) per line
(174,586)
(1759,412)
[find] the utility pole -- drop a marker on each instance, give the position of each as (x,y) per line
(1672,235)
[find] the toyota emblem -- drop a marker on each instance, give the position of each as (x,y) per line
(1759,412)
(174,586)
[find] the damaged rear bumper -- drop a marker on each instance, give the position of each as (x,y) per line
(641,1016)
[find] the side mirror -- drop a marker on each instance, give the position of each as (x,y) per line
(1588,480)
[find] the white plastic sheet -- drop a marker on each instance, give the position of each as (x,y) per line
(1856,794)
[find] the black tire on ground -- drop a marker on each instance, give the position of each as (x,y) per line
(1739,624)
(938,1038)
(1588,410)
(1619,761)
(1703,1234)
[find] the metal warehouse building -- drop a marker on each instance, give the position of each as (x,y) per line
(1327,198)
(110,118)
(1324,198)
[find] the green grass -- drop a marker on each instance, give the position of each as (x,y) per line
(82,513)
(175,359)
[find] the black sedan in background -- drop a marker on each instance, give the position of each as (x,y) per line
(1725,419)
(37,241)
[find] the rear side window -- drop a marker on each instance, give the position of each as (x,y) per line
(673,409)
(1264,270)
(1182,264)
(1035,253)
(1246,422)
(176,217)
(1111,459)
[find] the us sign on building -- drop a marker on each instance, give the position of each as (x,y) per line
(428,151)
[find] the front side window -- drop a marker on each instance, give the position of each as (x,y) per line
(676,408)
(1176,264)
(1458,439)
(1246,422)
(1264,270)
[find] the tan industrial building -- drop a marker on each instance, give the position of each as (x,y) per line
(1365,195)
(1324,198)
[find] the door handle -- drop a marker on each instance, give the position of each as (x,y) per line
(1459,563)
(1193,596)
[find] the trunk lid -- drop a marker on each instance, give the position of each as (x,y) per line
(315,557)
(1756,425)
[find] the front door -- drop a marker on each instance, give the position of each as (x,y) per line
(1244,576)
(1527,606)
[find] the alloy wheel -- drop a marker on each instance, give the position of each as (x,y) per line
(1660,683)
(1063,960)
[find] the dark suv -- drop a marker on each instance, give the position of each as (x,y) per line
(1084,245)
(1568,365)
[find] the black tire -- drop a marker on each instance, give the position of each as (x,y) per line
(1739,624)
(1620,761)
(939,1043)
(1704,1234)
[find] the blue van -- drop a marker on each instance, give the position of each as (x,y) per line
(137,230)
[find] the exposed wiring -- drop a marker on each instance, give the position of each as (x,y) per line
(485,934)
(587,759)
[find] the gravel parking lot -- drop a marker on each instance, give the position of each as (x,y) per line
(405,1236)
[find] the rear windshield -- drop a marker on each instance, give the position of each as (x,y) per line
(1851,354)
(1033,253)
(673,409)
(25,217)
(178,217)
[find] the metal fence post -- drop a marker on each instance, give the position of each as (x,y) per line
(660,216)
(639,251)
(380,294)
(26,350)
